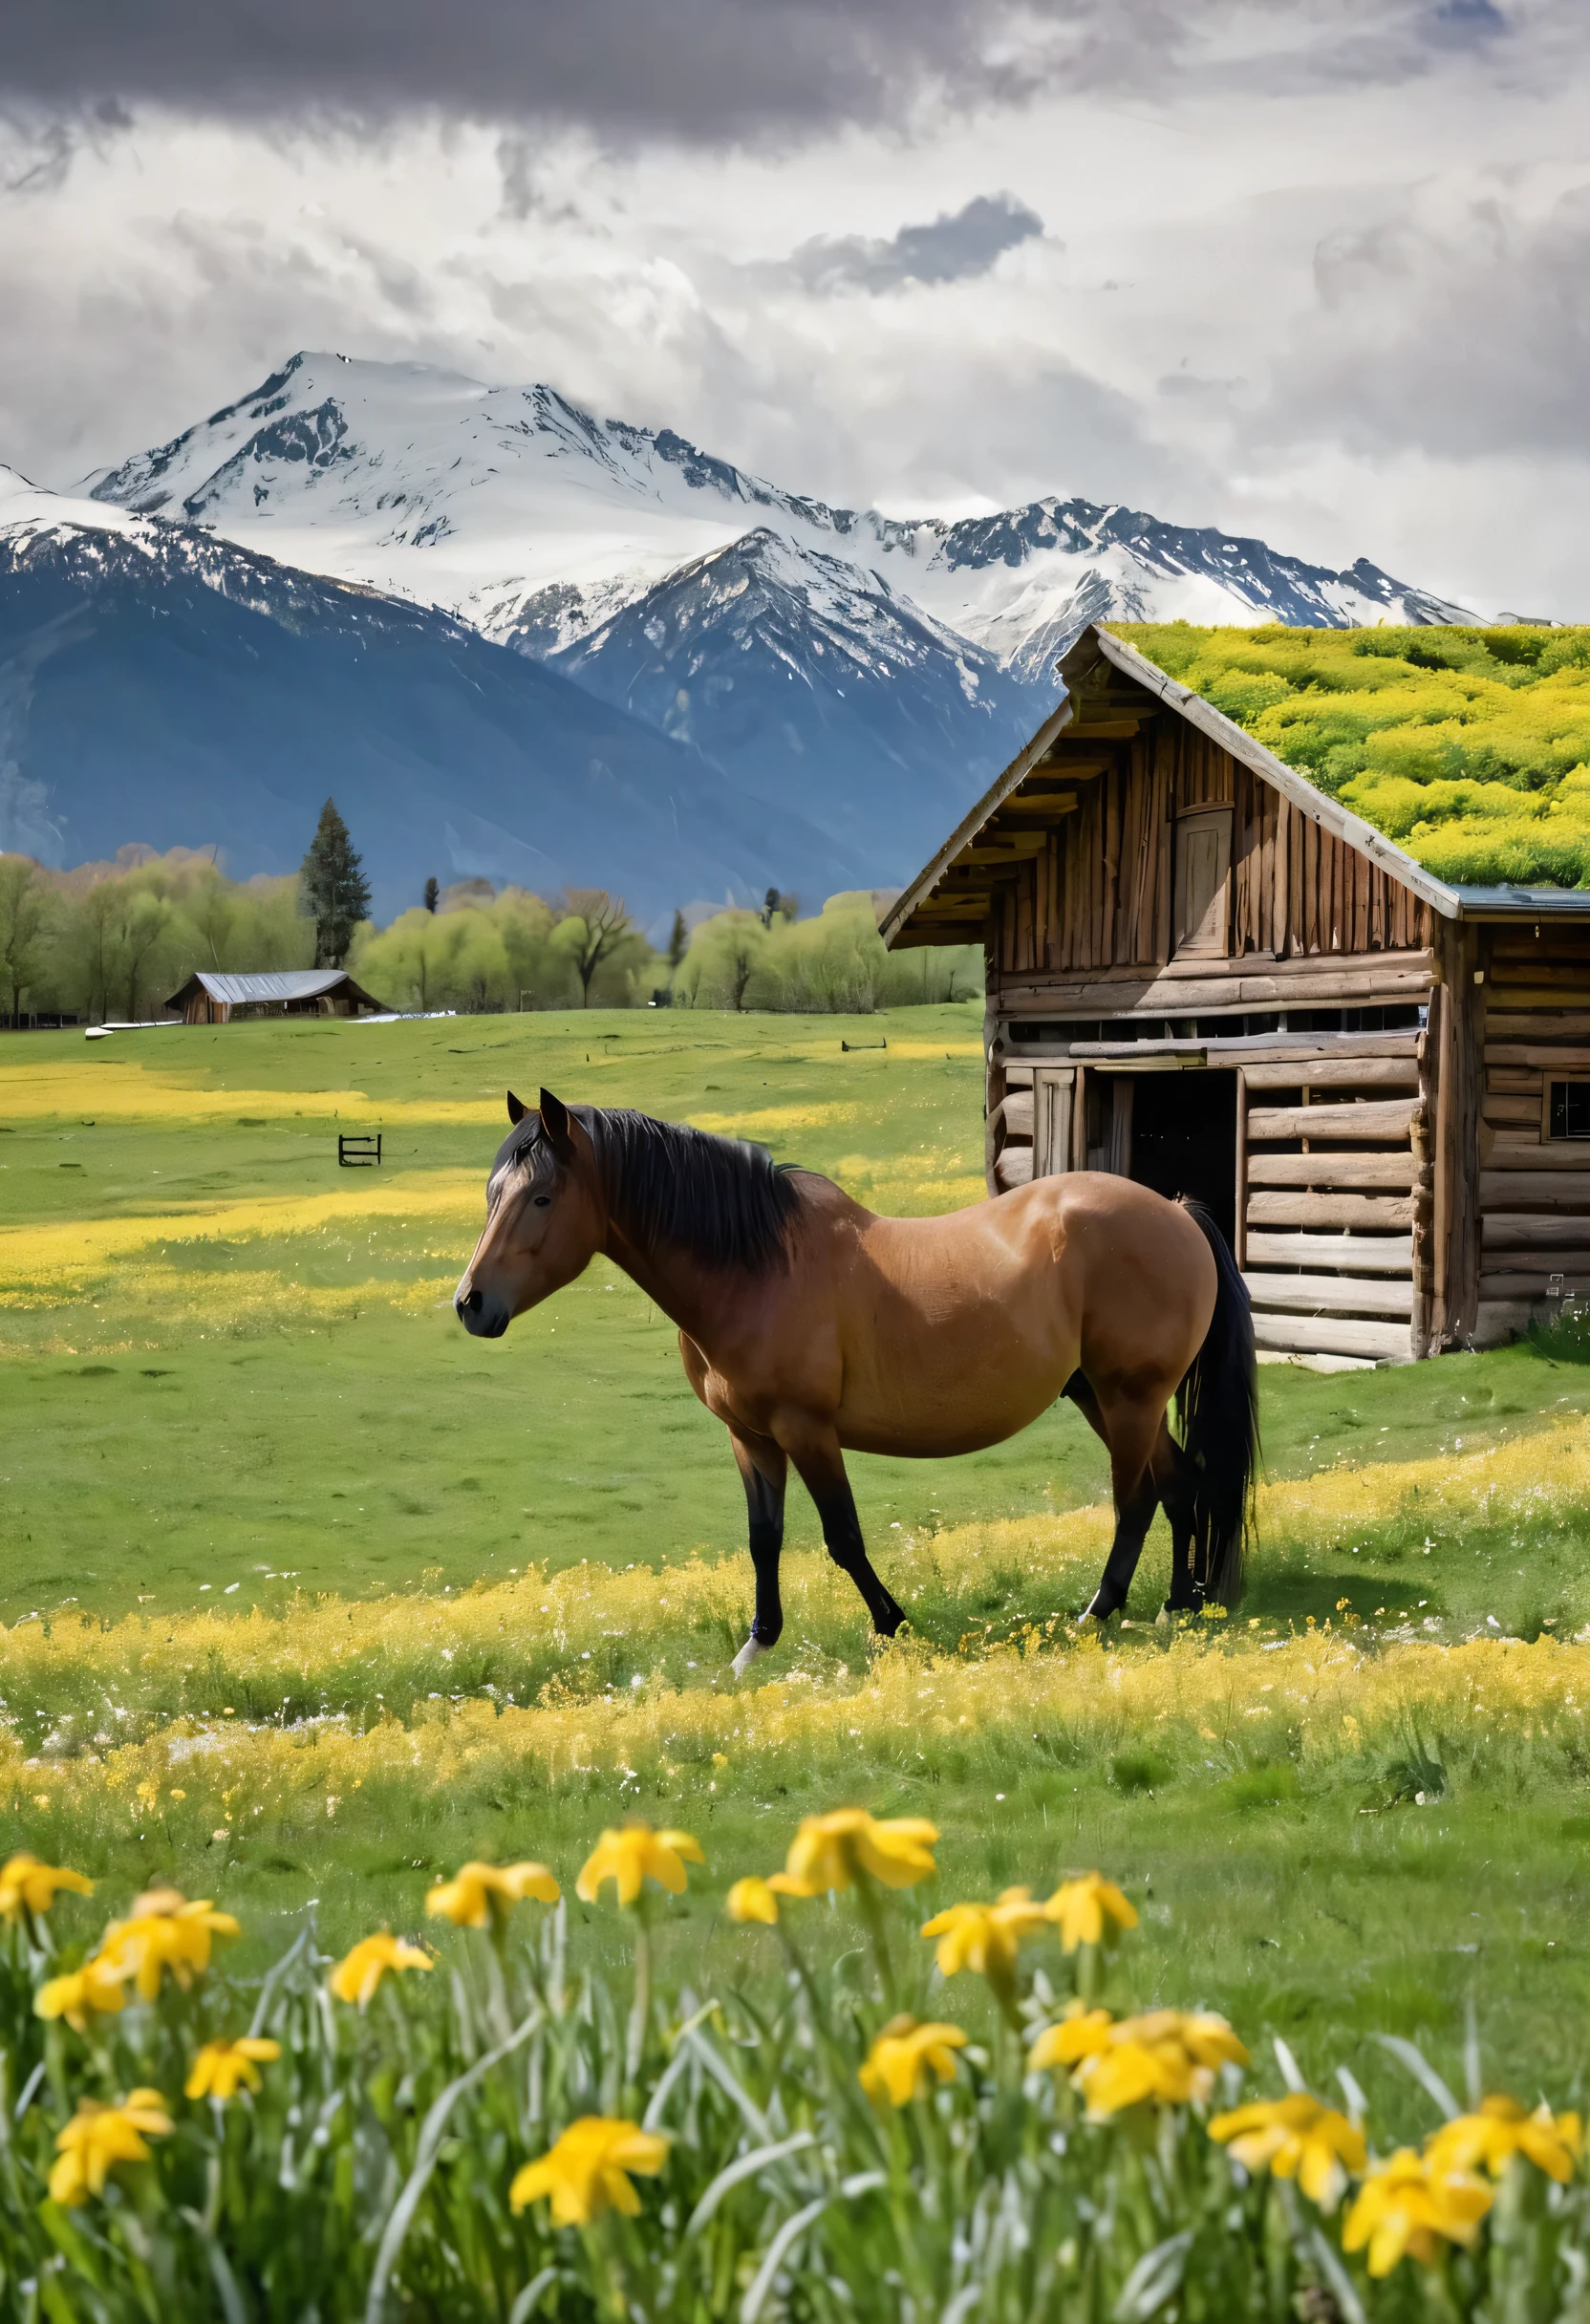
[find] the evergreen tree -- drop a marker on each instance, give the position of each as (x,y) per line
(336,895)
(679,941)
(433,893)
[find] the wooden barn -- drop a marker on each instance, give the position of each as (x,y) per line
(1207,974)
(214,997)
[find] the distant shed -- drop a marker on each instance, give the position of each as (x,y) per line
(211,998)
(1207,976)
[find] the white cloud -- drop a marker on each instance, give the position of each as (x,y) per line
(1314,272)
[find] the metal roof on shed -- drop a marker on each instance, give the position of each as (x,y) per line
(271,984)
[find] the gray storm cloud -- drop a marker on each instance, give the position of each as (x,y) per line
(706,71)
(952,248)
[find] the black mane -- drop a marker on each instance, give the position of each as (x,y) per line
(726,1203)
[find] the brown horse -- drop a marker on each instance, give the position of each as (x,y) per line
(809,1327)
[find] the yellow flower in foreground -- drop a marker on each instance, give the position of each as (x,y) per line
(1501,2129)
(634,1855)
(1089,1911)
(98,2137)
(902,2056)
(1294,2137)
(164,1931)
(588,2169)
(357,1974)
(985,1937)
(752,1900)
(1082,2033)
(829,1852)
(1404,2205)
(1165,2058)
(93,1990)
(27,1885)
(477,1893)
(221,2068)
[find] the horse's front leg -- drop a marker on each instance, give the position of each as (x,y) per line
(763,1470)
(820,1465)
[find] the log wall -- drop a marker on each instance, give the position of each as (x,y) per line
(1533,1191)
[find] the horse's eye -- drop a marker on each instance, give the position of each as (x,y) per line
(542,1202)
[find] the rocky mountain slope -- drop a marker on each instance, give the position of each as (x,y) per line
(160,684)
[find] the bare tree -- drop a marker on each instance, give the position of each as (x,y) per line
(604,924)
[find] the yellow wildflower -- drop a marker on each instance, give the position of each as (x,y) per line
(477,1893)
(985,1937)
(1089,1911)
(1082,2033)
(357,1974)
(752,1900)
(587,2170)
(221,2068)
(633,1855)
(93,1990)
(1403,2205)
(1166,2057)
(829,1851)
(1294,2138)
(98,2137)
(27,1885)
(1501,2129)
(164,1930)
(904,2053)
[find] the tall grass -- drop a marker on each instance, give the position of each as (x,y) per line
(783,2163)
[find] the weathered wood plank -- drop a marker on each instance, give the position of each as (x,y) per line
(1518,1190)
(1556,1155)
(1328,1210)
(1538,1231)
(1538,1024)
(1570,1059)
(1357,1254)
(1330,1293)
(1339,1073)
(1339,1171)
(1332,1336)
(1375,1118)
(1498,1321)
(1521,1106)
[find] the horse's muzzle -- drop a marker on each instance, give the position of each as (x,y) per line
(483,1319)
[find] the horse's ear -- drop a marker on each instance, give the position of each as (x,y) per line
(517,1111)
(554,1121)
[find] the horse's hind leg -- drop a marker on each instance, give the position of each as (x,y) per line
(1130,1428)
(820,1466)
(1171,1477)
(763,1470)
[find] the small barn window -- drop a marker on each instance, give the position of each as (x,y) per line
(1569,1111)
(1203,882)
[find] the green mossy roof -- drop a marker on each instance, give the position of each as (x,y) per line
(1470,747)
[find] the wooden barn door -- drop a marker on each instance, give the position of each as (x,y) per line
(1203,882)
(1052,1091)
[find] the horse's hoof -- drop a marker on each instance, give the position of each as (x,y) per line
(747,1655)
(1166,1618)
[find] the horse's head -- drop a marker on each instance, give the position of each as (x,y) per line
(544,1221)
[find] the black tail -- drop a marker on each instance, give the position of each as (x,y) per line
(1217,1404)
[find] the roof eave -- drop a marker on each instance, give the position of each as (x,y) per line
(970,824)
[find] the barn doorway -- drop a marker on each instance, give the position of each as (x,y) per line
(1184,1139)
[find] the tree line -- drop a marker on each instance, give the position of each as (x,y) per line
(114,940)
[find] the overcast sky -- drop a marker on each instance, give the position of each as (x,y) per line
(1315,270)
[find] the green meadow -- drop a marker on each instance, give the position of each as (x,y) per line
(309,1596)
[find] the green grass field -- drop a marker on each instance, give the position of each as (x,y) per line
(239,1425)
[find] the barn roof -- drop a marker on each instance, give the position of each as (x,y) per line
(1096,644)
(271,984)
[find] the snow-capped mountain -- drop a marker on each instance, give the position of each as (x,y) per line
(157,683)
(804,677)
(531,519)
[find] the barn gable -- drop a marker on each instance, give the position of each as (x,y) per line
(1205,974)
